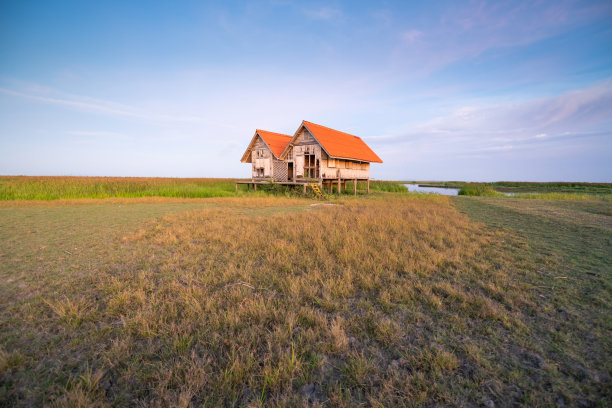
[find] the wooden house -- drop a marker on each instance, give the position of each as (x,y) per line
(264,153)
(314,154)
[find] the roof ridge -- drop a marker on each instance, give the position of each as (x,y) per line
(269,131)
(337,143)
(335,130)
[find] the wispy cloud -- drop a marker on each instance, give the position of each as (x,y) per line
(94,133)
(575,115)
(467,30)
(98,106)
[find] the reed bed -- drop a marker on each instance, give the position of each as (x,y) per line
(53,188)
(56,188)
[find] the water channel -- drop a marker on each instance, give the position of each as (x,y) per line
(440,190)
(436,190)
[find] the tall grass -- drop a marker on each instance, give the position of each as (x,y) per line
(376,185)
(52,188)
(478,189)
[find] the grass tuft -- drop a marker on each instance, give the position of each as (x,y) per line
(478,189)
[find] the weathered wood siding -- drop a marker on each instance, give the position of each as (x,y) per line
(261,160)
(305,143)
(264,165)
(346,169)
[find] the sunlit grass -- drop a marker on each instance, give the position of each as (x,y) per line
(478,189)
(392,300)
(54,188)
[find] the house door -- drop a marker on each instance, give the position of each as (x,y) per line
(290,171)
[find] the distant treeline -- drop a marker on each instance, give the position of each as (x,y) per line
(557,187)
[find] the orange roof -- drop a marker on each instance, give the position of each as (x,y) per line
(276,141)
(340,144)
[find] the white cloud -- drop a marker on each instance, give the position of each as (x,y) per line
(574,116)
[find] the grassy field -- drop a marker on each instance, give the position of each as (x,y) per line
(54,188)
(389,300)
(554,187)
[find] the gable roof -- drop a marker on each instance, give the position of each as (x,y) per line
(276,142)
(340,144)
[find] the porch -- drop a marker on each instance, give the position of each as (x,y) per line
(325,184)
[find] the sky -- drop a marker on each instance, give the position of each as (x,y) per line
(444,90)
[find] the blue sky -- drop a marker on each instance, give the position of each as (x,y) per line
(500,90)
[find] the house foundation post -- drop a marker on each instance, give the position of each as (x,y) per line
(355,187)
(236,188)
(339,186)
(254,186)
(304,188)
(368,186)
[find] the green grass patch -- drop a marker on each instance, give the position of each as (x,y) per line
(478,189)
(376,185)
(53,188)
(563,196)
(573,242)
(554,187)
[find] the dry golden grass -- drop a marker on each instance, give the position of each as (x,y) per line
(385,301)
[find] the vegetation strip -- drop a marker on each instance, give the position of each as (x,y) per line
(56,188)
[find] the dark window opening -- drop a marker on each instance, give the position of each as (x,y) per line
(311,166)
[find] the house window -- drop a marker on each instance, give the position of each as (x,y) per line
(290,154)
(311,166)
(331,163)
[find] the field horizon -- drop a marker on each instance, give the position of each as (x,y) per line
(276,299)
(70,187)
